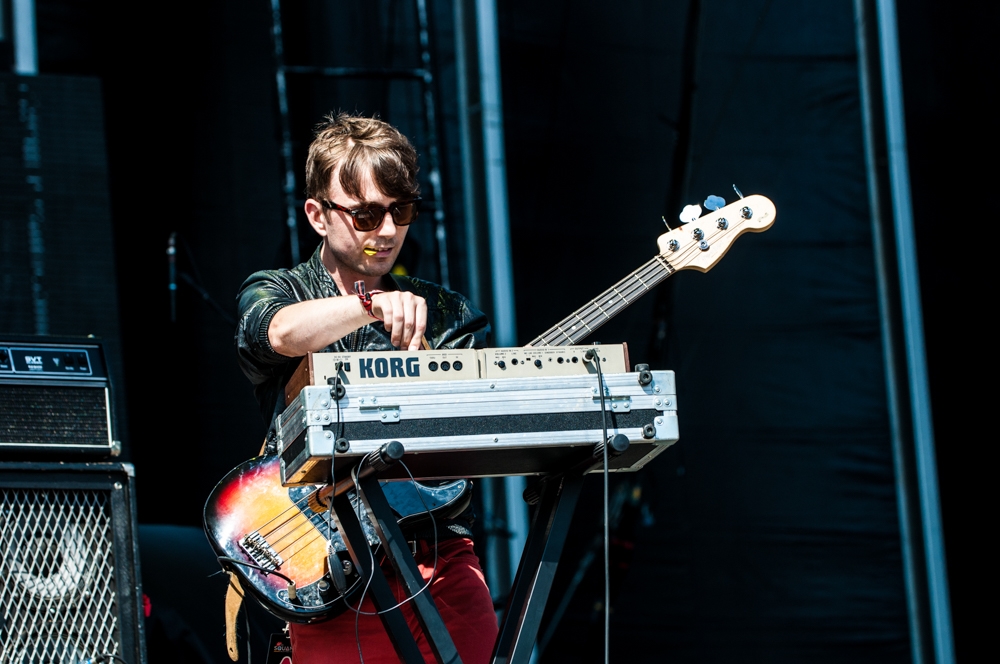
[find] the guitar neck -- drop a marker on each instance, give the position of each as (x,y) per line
(581,323)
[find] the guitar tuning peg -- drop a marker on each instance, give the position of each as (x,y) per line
(714,202)
(738,192)
(690,213)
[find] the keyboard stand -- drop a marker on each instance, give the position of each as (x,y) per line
(555,499)
(398,552)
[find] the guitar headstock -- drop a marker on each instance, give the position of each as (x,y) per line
(684,249)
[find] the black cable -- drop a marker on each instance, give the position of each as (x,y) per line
(266,571)
(246,620)
(193,283)
(339,428)
(196,282)
(357,611)
(427,585)
(607,536)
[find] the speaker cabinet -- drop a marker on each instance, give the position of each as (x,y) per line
(70,588)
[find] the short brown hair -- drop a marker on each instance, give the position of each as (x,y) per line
(361,146)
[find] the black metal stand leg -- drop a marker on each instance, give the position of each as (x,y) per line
(537,569)
(406,567)
(378,587)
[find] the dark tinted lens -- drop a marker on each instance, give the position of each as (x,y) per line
(368,219)
(403,214)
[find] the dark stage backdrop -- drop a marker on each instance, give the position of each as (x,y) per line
(769,533)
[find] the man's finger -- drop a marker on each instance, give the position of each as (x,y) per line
(419,323)
(382,308)
(398,318)
(409,320)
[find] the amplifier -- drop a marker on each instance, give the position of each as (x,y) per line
(476,428)
(54,399)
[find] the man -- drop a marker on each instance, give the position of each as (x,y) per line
(362,195)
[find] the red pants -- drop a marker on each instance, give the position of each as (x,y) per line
(459,591)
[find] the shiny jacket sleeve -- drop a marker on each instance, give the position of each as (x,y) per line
(262,295)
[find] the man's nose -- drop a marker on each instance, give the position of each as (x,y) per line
(388,227)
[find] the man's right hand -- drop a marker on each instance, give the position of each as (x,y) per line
(404,316)
(312,325)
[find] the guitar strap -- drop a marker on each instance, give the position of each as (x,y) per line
(234,599)
(234,591)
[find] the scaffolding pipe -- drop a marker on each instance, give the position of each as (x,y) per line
(913,334)
(25,38)
(504,323)
(291,218)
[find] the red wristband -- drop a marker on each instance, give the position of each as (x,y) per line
(366,298)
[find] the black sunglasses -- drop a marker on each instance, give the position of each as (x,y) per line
(371,217)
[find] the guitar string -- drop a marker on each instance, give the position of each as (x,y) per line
(596,315)
(623,291)
(654,265)
(296,532)
(289,527)
(617,298)
(320,535)
(593,312)
(296,505)
(635,288)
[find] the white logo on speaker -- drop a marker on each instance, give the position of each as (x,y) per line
(52,567)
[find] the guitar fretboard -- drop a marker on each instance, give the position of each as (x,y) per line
(582,322)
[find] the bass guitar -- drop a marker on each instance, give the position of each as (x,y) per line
(274,537)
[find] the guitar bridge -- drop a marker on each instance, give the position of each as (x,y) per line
(262,553)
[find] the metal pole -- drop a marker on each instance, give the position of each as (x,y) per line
(25,41)
(291,220)
(468,169)
(923,433)
(504,323)
(909,525)
(433,156)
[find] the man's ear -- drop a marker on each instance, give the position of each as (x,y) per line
(314,212)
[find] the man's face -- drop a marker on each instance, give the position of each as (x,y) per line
(356,253)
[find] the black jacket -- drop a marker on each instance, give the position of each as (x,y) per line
(452,322)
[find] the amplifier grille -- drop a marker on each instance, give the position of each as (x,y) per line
(50,415)
(58,593)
